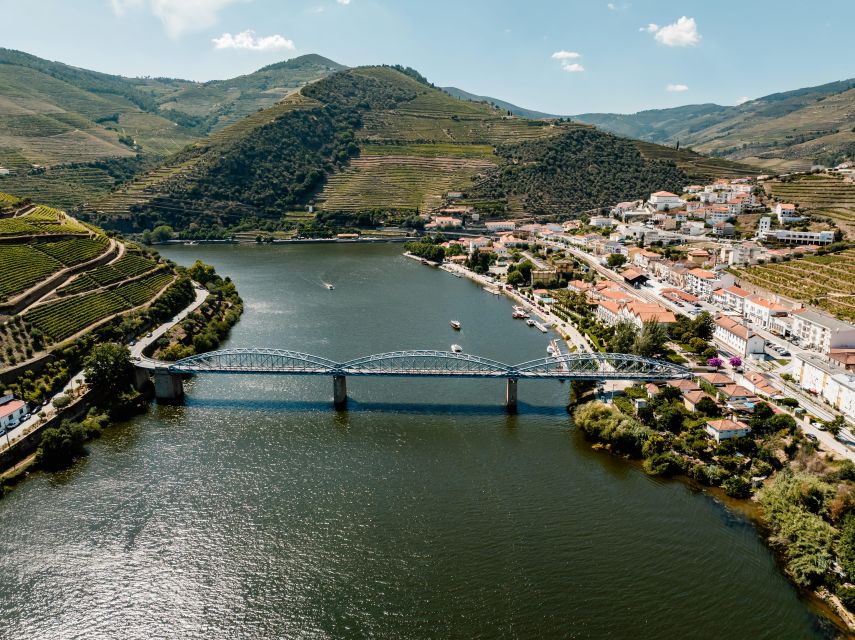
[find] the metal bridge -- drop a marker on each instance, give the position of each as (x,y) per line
(421,363)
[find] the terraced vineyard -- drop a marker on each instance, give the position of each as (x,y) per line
(25,265)
(695,164)
(405,176)
(8,200)
(22,268)
(128,266)
(822,195)
(824,281)
(141,291)
(42,221)
(66,187)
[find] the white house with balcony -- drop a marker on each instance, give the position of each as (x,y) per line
(761,311)
(702,283)
(11,411)
(822,332)
(787,213)
(726,429)
(738,338)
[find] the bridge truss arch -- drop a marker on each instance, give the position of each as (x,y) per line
(427,363)
(255,360)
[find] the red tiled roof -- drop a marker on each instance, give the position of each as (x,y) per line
(726,425)
(10,407)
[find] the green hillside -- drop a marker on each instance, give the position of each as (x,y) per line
(786,131)
(522,112)
(381,139)
(71,135)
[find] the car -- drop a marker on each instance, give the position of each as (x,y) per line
(148,335)
(784,352)
(811,437)
(132,343)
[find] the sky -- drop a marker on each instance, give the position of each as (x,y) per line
(559,56)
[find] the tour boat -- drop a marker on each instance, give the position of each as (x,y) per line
(455,324)
(541,327)
(329,286)
(551,350)
(456,348)
(530,322)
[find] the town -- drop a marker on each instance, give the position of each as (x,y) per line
(673,259)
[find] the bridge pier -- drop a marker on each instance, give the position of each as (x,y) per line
(168,386)
(339,391)
(511,395)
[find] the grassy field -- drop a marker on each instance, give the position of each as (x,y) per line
(824,281)
(821,195)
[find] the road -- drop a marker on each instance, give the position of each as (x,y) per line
(77,384)
(141,345)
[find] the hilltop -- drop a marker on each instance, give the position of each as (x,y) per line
(513,109)
(70,134)
(382,143)
(783,131)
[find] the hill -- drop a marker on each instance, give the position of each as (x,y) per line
(70,135)
(783,131)
(501,104)
(63,279)
(373,140)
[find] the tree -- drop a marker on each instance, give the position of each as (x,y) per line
(735,361)
(623,339)
(708,407)
(515,278)
(616,260)
(846,546)
(651,340)
(161,234)
(60,445)
(670,419)
(715,362)
(703,325)
(834,426)
(525,268)
(108,369)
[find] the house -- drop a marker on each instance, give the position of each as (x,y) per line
(623,207)
(639,312)
(692,398)
(608,312)
(702,282)
(634,277)
(724,230)
(652,389)
(678,295)
(732,298)
(684,385)
(716,379)
(843,357)
(444,222)
(11,411)
(735,393)
(544,276)
(718,213)
(643,258)
(828,379)
(479,243)
(822,332)
(500,225)
(738,338)
(787,213)
(665,200)
(693,228)
(760,311)
(602,221)
(693,188)
(759,383)
(741,254)
(698,257)
(580,286)
(543,295)
(726,429)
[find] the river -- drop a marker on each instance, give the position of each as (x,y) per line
(422,511)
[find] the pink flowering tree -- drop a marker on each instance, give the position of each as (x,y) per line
(715,362)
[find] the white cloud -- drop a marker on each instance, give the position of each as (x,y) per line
(572,68)
(566,55)
(743,100)
(612,6)
(178,16)
(683,33)
(343,1)
(248,40)
(676,88)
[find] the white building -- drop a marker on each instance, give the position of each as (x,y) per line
(761,311)
(732,298)
(787,213)
(11,411)
(702,282)
(738,338)
(663,200)
(835,384)
(602,221)
(821,331)
(797,237)
(501,225)
(742,253)
(726,429)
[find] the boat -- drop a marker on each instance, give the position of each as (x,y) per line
(492,290)
(550,350)
(457,274)
(541,327)
(530,322)
(191,243)
(329,286)
(455,324)
(456,348)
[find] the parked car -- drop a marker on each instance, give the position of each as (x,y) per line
(811,437)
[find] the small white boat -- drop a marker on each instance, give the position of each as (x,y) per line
(458,274)
(530,322)
(191,243)
(550,350)
(541,327)
(329,286)
(456,348)
(455,324)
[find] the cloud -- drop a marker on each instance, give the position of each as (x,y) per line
(676,88)
(345,2)
(683,33)
(743,100)
(177,16)
(247,40)
(564,57)
(611,6)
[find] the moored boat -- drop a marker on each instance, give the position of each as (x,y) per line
(456,348)
(455,324)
